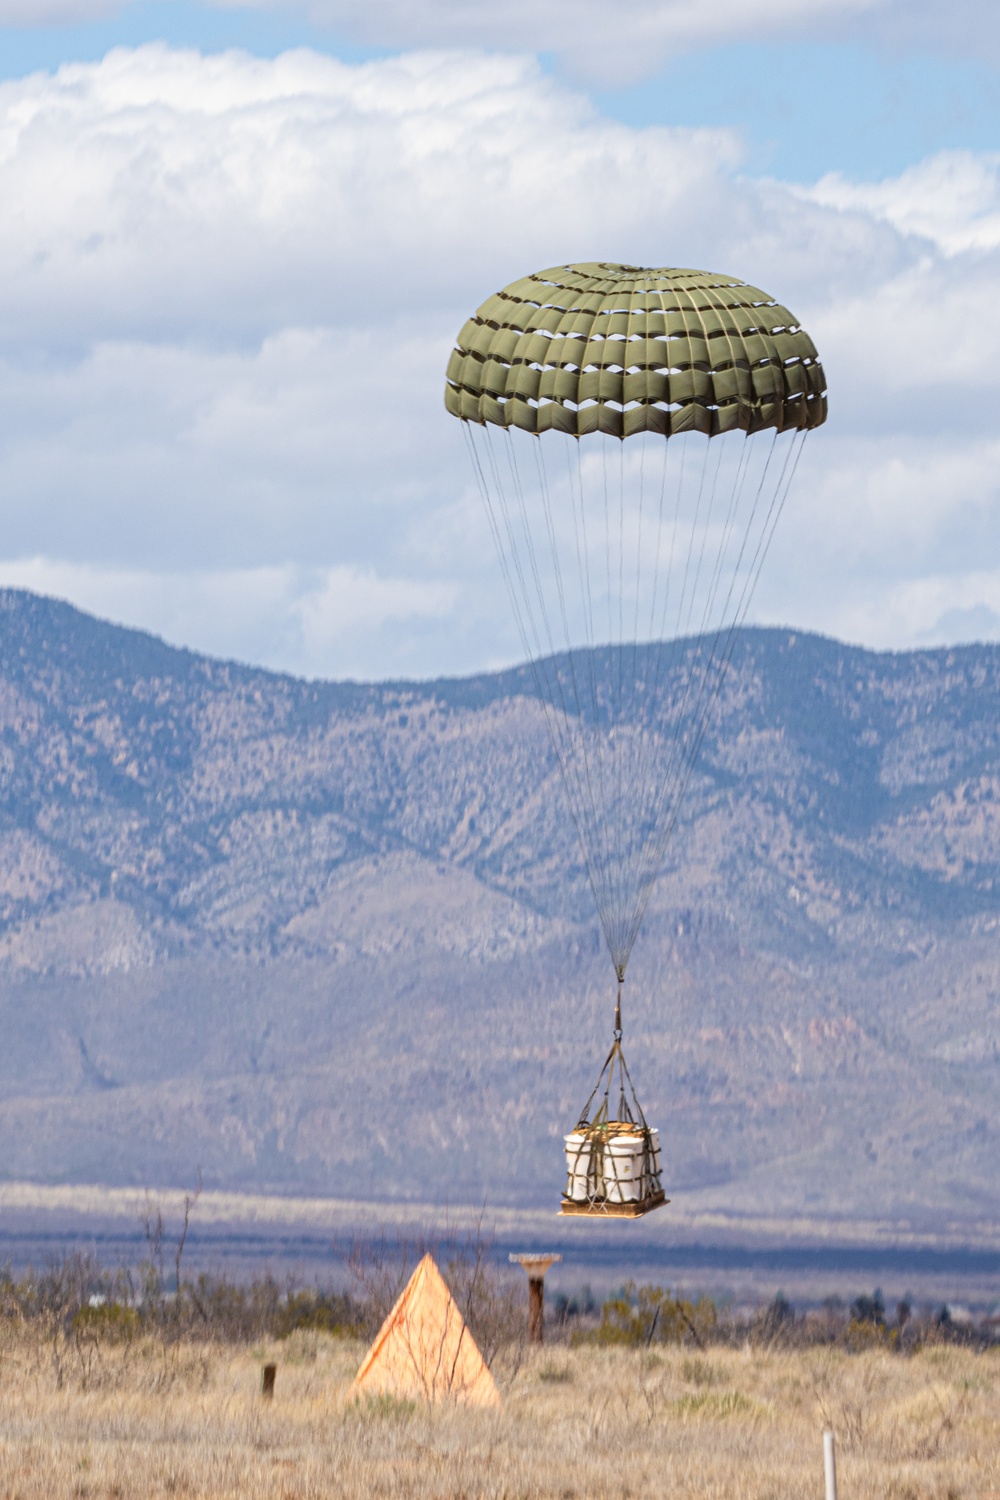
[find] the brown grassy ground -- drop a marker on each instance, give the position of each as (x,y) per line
(583,1422)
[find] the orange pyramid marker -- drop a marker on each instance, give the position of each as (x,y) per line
(424,1351)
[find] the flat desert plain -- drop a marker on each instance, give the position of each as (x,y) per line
(148,1420)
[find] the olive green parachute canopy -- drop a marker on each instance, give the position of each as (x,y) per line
(629,349)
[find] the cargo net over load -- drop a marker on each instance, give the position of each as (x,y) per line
(613,1163)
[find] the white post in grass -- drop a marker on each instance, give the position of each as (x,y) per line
(830,1466)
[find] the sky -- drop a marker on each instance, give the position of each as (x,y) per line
(238,240)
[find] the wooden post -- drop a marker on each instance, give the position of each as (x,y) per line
(536,1267)
(267,1381)
(536,1309)
(830,1465)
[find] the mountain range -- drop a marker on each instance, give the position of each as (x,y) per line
(338,938)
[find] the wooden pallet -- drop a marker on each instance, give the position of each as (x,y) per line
(605,1210)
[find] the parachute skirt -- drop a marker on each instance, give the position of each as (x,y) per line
(613,1165)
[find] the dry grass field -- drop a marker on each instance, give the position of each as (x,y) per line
(145,1419)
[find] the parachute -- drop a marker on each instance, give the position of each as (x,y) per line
(634,433)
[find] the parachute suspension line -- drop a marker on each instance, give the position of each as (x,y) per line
(638,868)
(669,781)
(658,635)
(634,673)
(611,936)
(520,603)
(637,741)
(712,452)
(625,757)
(620,653)
(659,531)
(704,684)
(687,584)
(774,509)
(578,789)
(598,729)
(587,611)
(587,602)
(668,785)
(519,597)
(586,594)
(621,737)
(776,506)
(509,563)
(632,742)
(592,823)
(612,716)
(735,498)
(601,823)
(614,688)
(645,869)
(639,705)
(672,788)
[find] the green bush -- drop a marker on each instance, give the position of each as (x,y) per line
(638,1318)
(106,1322)
(317,1312)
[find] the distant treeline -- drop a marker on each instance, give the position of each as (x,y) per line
(646,1315)
(80,1305)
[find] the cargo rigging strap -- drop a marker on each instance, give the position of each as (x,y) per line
(614,1065)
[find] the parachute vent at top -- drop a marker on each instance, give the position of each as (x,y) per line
(624,350)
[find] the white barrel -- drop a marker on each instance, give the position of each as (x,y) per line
(654,1141)
(623,1180)
(580,1185)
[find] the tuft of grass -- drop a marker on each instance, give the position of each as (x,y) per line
(699,1372)
(385,1408)
(716,1406)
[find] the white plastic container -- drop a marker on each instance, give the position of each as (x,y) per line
(581,1185)
(623,1157)
(654,1141)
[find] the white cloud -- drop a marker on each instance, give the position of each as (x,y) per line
(599,39)
(936,610)
(266,615)
(227,291)
(885,535)
(594,36)
(161,191)
(951,199)
(55,12)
